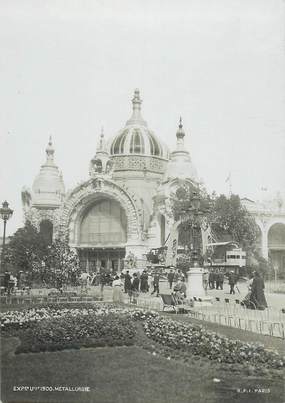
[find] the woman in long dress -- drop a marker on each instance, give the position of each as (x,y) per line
(257,292)
(118,290)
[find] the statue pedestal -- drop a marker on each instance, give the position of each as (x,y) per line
(195,287)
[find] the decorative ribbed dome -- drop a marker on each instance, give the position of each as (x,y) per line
(180,164)
(48,187)
(136,138)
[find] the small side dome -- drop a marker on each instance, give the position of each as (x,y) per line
(180,165)
(48,187)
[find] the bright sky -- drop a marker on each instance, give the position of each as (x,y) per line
(69,67)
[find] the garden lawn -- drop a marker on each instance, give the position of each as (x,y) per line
(127,375)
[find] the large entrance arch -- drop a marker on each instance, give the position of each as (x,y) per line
(104,224)
(102,220)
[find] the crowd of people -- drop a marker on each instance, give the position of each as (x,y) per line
(12,282)
(133,283)
(149,281)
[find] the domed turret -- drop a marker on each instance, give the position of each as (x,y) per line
(101,163)
(180,164)
(48,187)
(136,138)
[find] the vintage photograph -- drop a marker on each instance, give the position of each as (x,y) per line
(142,201)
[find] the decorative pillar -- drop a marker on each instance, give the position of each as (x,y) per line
(195,287)
(264,240)
(195,282)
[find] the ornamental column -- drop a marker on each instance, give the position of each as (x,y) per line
(264,240)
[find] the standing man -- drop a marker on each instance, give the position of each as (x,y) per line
(103,282)
(232,282)
(183,288)
(211,279)
(221,279)
(156,284)
(135,288)
(128,282)
(205,279)
(217,278)
(6,281)
(170,278)
(144,281)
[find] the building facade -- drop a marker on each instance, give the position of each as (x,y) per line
(124,206)
(269,214)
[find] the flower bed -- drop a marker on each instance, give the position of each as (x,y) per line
(72,331)
(196,340)
(12,321)
(55,327)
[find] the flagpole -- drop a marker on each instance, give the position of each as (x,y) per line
(229,179)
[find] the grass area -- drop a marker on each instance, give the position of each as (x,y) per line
(127,375)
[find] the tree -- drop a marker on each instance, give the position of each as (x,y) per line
(228,219)
(231,218)
(61,264)
(26,249)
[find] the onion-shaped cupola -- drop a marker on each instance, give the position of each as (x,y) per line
(101,163)
(180,165)
(136,138)
(48,187)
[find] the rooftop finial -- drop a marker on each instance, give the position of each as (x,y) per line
(50,151)
(136,100)
(101,144)
(136,117)
(180,132)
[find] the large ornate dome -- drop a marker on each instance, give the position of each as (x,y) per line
(136,138)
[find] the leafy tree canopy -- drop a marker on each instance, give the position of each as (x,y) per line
(26,247)
(229,220)
(230,217)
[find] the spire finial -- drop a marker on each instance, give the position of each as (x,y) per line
(50,151)
(136,117)
(101,143)
(136,100)
(180,132)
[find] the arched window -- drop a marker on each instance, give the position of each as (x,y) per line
(276,236)
(104,224)
(46,230)
(276,246)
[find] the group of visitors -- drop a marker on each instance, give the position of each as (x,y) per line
(174,276)
(215,279)
(131,285)
(14,282)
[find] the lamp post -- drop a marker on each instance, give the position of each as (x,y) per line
(195,288)
(193,215)
(5,213)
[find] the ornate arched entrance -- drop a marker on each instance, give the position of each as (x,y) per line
(103,235)
(101,219)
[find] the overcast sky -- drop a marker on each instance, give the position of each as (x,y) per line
(69,67)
